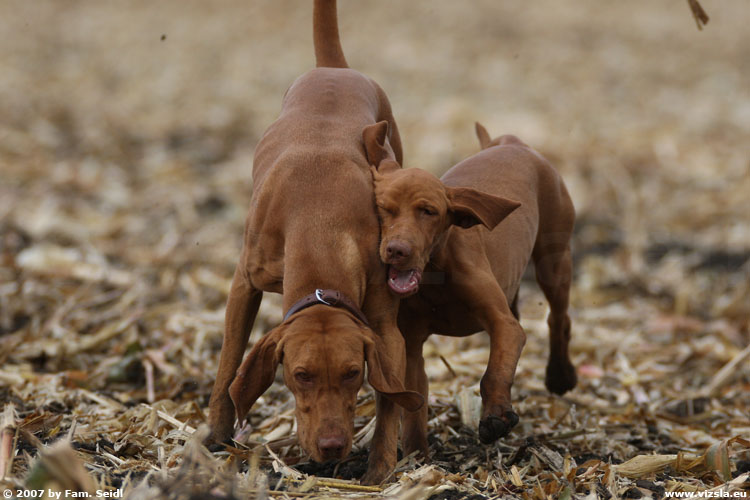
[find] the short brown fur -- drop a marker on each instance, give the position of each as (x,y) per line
(312,225)
(472,275)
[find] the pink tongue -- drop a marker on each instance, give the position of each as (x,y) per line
(402,281)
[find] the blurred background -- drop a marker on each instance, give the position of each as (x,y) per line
(646,117)
(127,131)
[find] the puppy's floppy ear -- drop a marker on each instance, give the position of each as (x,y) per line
(380,374)
(482,135)
(469,207)
(374,138)
(257,372)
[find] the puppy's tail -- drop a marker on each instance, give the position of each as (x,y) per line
(328,51)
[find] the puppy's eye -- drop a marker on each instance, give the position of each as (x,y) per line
(384,210)
(351,374)
(428,211)
(303,377)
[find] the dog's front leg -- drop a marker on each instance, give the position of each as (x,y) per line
(242,307)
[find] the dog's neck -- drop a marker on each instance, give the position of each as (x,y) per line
(332,266)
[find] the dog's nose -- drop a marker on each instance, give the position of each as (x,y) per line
(397,251)
(331,447)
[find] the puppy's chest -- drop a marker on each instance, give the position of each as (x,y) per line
(444,309)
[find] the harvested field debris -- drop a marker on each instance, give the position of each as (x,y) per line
(126,142)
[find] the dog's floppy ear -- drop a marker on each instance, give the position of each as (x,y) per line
(469,207)
(257,372)
(380,374)
(374,137)
(482,135)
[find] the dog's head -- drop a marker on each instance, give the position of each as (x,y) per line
(323,352)
(416,210)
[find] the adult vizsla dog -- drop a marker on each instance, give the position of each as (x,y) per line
(312,235)
(471,244)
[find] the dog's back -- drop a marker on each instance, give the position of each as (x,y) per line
(311,181)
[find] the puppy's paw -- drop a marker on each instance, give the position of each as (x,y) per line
(561,376)
(214,447)
(493,427)
(218,438)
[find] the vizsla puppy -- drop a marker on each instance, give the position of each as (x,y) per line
(448,234)
(312,235)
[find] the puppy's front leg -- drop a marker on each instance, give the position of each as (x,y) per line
(414,431)
(384,447)
(507,338)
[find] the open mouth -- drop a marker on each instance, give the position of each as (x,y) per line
(404,282)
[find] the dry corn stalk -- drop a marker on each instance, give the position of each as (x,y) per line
(643,465)
(7,437)
(60,469)
(714,459)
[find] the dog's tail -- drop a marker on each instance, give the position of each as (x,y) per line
(328,51)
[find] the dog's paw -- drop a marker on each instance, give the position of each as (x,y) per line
(560,377)
(375,475)
(493,427)
(416,443)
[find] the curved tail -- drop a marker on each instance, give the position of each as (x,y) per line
(328,51)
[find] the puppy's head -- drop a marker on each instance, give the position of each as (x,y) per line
(416,210)
(323,352)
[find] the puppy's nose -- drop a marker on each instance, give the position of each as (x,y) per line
(397,251)
(331,447)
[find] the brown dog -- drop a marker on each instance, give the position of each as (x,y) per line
(312,234)
(449,236)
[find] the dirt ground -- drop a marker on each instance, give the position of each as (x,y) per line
(127,131)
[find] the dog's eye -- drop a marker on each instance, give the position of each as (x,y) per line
(303,377)
(428,211)
(351,374)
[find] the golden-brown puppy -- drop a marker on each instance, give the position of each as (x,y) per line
(457,248)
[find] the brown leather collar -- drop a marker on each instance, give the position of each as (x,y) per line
(332,298)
